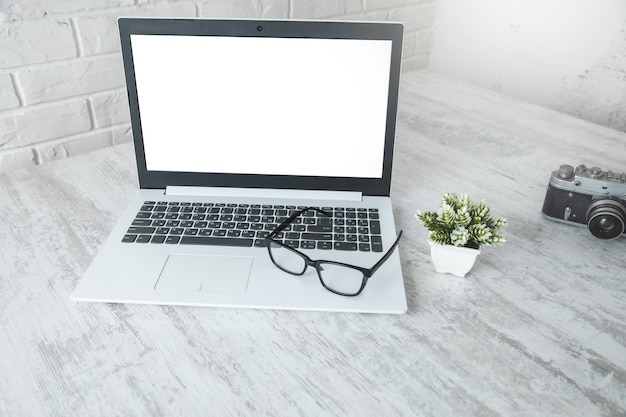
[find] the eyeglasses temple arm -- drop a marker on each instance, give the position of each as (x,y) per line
(386,256)
(291,218)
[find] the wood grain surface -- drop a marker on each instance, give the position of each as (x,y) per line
(537,328)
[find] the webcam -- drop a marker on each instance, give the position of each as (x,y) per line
(259,28)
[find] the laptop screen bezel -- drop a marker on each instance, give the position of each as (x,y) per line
(263,28)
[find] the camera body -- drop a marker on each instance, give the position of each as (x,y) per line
(588,196)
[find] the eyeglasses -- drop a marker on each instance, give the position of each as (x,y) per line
(337,277)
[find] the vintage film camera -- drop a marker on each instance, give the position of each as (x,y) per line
(588,196)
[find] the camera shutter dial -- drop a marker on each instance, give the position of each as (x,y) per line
(566,172)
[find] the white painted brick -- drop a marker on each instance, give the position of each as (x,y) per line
(367,16)
(313,9)
(122,134)
(78,77)
(16,159)
(425,39)
(414,62)
(83,143)
(415,17)
(38,9)
(408,44)
(51,151)
(270,9)
(389,4)
(42,123)
(8,96)
(111,108)
(98,34)
(34,42)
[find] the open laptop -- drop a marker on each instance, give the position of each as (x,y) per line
(237,125)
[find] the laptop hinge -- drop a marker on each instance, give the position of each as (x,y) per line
(264,193)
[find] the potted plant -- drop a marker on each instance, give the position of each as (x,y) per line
(458,231)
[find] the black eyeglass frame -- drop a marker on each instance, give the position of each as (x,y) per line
(367,272)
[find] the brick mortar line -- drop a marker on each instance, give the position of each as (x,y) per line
(18,92)
(52,103)
(59,62)
(97,12)
(64,139)
(80,49)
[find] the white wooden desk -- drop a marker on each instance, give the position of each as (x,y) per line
(538,328)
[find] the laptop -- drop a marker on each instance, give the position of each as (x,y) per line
(238,125)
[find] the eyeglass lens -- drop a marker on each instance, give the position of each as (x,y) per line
(339,278)
(336,277)
(286,259)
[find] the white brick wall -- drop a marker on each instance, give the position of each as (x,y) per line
(61,78)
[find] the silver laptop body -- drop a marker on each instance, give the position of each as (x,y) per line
(238,120)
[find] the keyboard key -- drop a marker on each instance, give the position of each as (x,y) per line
(129,238)
(292,243)
(377,244)
(324,245)
(320,228)
(345,246)
(317,236)
(136,230)
(172,240)
(157,239)
(216,241)
(307,244)
(143,238)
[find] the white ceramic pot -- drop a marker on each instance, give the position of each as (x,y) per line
(453,259)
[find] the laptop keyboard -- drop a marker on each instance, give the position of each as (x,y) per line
(247,225)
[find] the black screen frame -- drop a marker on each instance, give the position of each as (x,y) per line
(263,28)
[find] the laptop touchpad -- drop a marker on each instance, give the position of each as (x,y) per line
(205,273)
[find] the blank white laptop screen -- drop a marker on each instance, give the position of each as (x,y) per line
(277,106)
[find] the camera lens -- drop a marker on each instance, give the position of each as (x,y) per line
(606,218)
